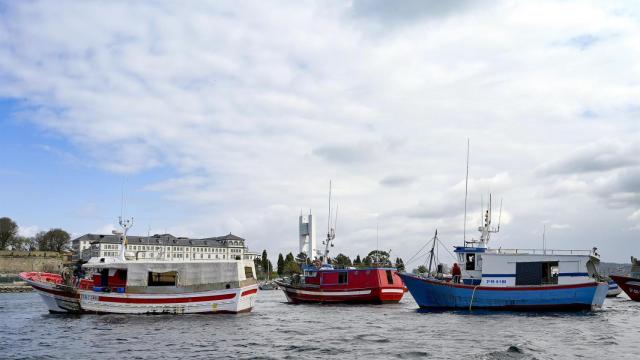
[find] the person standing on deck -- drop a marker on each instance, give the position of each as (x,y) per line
(456,272)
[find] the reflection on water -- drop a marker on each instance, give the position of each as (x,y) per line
(277,330)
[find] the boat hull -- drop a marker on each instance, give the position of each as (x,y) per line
(630,285)
(363,295)
(233,301)
(614,289)
(436,294)
(57,298)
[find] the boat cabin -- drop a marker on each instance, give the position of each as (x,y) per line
(517,267)
(115,275)
(350,277)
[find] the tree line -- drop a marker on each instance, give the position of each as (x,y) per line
(53,240)
(288,265)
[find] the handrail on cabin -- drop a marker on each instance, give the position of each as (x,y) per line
(542,251)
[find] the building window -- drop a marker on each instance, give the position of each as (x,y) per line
(248,272)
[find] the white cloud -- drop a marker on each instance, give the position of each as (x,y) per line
(106,229)
(28,231)
(253,107)
(560,226)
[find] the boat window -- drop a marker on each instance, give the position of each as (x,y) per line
(550,273)
(537,273)
(104,277)
(470,261)
(248,272)
(342,277)
(162,279)
(389,277)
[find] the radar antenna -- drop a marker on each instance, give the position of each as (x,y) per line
(126,224)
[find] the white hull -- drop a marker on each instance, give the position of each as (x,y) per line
(614,292)
(217,301)
(55,299)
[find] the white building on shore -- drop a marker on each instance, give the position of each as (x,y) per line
(163,247)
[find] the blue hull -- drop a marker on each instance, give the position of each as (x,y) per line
(436,294)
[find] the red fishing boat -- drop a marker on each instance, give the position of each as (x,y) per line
(323,283)
(330,285)
(630,284)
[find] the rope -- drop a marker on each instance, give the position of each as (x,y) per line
(415,256)
(450,253)
(473,294)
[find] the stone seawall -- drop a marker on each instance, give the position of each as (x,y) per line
(15,262)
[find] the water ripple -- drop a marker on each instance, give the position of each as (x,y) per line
(276,330)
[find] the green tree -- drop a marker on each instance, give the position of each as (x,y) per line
(420,270)
(342,260)
(357,261)
(29,244)
(379,257)
(280,264)
(291,267)
(257,262)
(289,258)
(53,240)
(265,261)
(41,241)
(20,243)
(367,261)
(399,264)
(8,230)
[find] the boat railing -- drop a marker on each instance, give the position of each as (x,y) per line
(540,251)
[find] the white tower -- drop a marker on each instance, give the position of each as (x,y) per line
(308,244)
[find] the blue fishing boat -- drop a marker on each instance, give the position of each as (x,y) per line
(503,279)
(614,289)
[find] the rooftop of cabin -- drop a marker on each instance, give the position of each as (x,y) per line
(501,251)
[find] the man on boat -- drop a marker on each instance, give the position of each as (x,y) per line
(456,272)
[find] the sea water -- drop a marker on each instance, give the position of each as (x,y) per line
(278,330)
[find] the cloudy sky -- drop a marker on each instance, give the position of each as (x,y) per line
(218,117)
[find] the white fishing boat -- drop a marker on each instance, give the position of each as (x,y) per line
(164,275)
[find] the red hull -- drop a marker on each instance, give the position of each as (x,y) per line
(367,296)
(373,285)
(631,286)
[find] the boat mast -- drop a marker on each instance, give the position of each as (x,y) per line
(466,186)
(433,246)
(331,234)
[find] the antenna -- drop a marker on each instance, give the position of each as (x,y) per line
(490,209)
(544,241)
(122,198)
(481,210)
(329,217)
(126,224)
(500,214)
(330,232)
(377,243)
(466,184)
(335,222)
